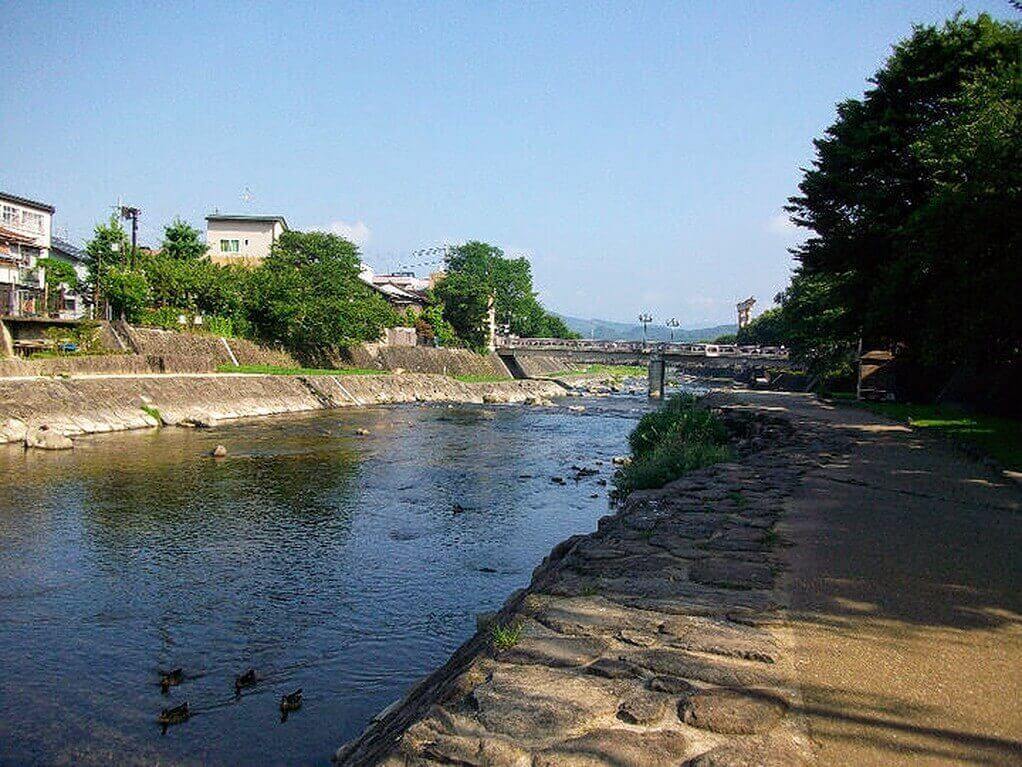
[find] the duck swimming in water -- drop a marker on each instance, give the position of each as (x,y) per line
(175,715)
(170,679)
(291,701)
(248,679)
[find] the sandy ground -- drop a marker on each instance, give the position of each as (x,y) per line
(906,573)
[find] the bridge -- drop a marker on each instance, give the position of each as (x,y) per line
(527,357)
(639,349)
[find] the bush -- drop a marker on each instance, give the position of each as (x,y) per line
(669,442)
(165,317)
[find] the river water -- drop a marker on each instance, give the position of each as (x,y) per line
(324,560)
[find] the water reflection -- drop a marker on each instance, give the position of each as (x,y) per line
(322,559)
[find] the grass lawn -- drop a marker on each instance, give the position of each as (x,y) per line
(614,371)
(1000,438)
(282,371)
(480,378)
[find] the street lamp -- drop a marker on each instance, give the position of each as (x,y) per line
(645,318)
(672,324)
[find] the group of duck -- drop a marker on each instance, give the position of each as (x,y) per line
(178,714)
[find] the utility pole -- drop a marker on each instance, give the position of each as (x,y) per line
(128,211)
(672,324)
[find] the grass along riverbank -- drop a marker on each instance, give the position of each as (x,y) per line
(274,370)
(999,438)
(667,443)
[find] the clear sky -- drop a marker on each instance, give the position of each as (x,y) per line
(638,153)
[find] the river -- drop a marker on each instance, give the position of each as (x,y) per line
(324,560)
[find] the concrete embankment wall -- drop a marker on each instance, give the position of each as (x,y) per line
(91,405)
(150,350)
(422,359)
(540,365)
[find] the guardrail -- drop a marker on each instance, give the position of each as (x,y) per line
(512,343)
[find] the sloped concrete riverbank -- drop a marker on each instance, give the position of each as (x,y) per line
(660,639)
(96,404)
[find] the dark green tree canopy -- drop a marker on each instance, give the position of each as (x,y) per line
(913,207)
(182,242)
(477,272)
(308,296)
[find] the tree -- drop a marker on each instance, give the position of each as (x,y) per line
(126,290)
(912,204)
(308,296)
(768,329)
(55,274)
(108,248)
(182,242)
(477,272)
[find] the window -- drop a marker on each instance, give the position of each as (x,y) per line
(229,246)
(33,222)
(11,216)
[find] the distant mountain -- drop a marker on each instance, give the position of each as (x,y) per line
(605,330)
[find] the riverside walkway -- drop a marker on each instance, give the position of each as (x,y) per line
(846,593)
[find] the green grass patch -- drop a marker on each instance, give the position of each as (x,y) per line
(999,438)
(274,370)
(152,412)
(506,636)
(669,442)
(611,371)
(480,378)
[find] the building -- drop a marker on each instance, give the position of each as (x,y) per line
(242,239)
(71,303)
(402,290)
(25,227)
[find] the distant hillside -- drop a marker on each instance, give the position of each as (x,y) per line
(606,330)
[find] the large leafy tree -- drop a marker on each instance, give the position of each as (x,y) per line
(182,241)
(307,295)
(912,202)
(478,272)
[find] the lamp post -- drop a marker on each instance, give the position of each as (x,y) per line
(645,318)
(672,324)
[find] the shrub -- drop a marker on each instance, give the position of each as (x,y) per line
(669,442)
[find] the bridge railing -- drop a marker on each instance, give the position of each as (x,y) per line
(511,343)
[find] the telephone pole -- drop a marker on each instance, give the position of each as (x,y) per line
(129,211)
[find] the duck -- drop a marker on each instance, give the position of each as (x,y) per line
(291,701)
(175,715)
(171,678)
(248,679)
(457,508)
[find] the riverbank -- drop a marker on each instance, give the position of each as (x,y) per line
(105,403)
(842,595)
(659,639)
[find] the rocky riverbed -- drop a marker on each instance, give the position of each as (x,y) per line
(660,639)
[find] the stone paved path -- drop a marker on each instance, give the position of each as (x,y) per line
(669,636)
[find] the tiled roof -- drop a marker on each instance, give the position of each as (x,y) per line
(27,202)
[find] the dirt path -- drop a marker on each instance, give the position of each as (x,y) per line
(907,596)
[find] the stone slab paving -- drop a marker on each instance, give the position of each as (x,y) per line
(660,639)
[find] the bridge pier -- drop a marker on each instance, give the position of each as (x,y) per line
(657,376)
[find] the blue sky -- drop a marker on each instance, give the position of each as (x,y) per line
(639,154)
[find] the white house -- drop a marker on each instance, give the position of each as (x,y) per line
(24,238)
(70,304)
(242,239)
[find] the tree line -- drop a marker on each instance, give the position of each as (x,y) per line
(913,205)
(306,296)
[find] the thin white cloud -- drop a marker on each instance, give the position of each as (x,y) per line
(782,225)
(358,232)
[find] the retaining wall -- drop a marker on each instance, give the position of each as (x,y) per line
(422,359)
(90,405)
